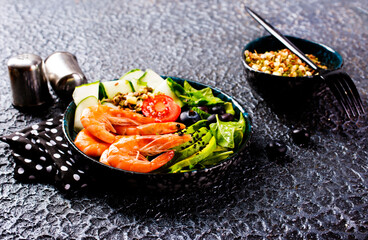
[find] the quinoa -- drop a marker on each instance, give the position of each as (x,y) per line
(281,63)
(133,100)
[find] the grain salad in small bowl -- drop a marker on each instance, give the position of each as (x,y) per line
(156,132)
(275,73)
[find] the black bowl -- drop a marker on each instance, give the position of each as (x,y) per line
(287,89)
(104,175)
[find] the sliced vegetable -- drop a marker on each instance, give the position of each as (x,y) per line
(178,90)
(119,86)
(133,76)
(195,127)
(87,102)
(215,158)
(194,148)
(85,90)
(150,79)
(162,108)
(195,137)
(196,158)
(101,92)
(107,103)
(164,88)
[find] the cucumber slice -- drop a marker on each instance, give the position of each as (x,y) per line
(87,102)
(109,104)
(83,91)
(165,89)
(151,79)
(141,82)
(114,87)
(102,92)
(133,76)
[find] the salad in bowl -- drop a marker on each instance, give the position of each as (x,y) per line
(146,123)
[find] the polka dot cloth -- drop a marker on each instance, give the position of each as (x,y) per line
(41,154)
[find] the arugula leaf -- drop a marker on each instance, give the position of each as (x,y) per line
(191,96)
(200,97)
(178,90)
(228,134)
(202,114)
(229,108)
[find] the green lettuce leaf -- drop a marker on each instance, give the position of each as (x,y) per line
(191,96)
(229,134)
(177,89)
(200,97)
(202,114)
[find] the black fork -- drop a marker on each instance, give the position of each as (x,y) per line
(345,91)
(340,83)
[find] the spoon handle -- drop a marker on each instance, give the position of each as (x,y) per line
(274,32)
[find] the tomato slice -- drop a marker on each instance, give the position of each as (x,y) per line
(162,108)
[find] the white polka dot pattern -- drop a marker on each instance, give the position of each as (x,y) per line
(76,177)
(20,170)
(59,139)
(42,154)
(64,168)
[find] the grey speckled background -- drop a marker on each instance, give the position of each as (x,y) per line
(321,194)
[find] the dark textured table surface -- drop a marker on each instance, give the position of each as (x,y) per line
(321,193)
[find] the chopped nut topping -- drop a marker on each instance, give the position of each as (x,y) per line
(281,63)
(132,100)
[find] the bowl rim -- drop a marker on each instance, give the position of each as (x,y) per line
(330,49)
(244,143)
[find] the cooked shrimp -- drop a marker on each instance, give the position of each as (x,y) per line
(90,145)
(150,129)
(99,120)
(129,152)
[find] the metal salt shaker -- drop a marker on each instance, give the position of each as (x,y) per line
(28,83)
(64,74)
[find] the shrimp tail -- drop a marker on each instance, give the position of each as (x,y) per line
(136,163)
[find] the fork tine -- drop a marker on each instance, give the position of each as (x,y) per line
(340,95)
(345,92)
(347,95)
(356,97)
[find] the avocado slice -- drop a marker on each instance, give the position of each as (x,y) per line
(180,150)
(195,127)
(195,147)
(195,158)
(195,137)
(215,157)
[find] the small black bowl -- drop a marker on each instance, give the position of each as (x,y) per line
(104,175)
(286,89)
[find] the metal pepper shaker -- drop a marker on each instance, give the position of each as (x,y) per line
(63,73)
(28,83)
